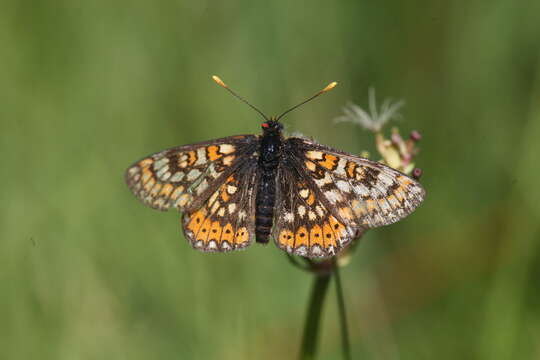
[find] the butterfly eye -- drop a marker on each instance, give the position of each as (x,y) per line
(265,125)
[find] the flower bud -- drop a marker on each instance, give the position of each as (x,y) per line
(417,173)
(415,136)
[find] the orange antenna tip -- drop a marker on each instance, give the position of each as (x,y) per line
(221,83)
(218,81)
(329,87)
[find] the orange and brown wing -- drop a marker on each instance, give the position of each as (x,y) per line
(186,175)
(226,221)
(304,224)
(326,192)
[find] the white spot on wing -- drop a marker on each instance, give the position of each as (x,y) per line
(325,180)
(201,156)
(302,251)
(165,176)
(343,186)
(381,188)
(289,217)
(212,171)
(316,251)
(385,179)
(333,196)
(314,155)
(160,163)
(227,161)
(226,148)
(361,190)
(193,174)
(202,186)
(177,176)
(242,215)
(162,171)
(341,167)
(198,244)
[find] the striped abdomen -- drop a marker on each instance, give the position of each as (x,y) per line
(264,213)
(270,153)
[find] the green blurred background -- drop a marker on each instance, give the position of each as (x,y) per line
(87,88)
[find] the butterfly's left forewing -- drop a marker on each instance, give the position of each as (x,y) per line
(186,175)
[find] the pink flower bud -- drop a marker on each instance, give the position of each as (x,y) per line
(415,136)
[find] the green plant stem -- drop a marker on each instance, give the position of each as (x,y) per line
(345,343)
(313,317)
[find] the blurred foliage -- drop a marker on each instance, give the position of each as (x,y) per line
(87,88)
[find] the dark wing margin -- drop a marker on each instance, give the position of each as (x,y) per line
(181,176)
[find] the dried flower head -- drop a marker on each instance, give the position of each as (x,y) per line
(375,119)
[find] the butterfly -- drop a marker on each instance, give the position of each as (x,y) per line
(312,200)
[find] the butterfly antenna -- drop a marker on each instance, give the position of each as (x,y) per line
(327,88)
(221,83)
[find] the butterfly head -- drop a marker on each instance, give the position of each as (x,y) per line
(272,126)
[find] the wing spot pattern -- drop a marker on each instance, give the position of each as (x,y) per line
(315,236)
(226,148)
(241,237)
(146,163)
(300,238)
(227,161)
(311,199)
(285,238)
(147,175)
(329,161)
(213,153)
(314,155)
(351,169)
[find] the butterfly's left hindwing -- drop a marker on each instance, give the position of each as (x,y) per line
(226,221)
(187,175)
(328,193)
